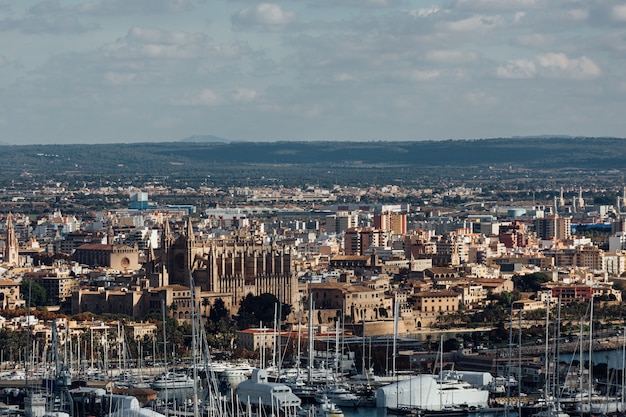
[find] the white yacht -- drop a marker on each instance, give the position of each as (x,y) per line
(338,395)
(172,380)
(259,392)
(428,392)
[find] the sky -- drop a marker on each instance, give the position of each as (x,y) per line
(104,71)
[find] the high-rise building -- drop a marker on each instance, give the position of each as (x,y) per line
(139,201)
(342,221)
(391,222)
(553,227)
(357,240)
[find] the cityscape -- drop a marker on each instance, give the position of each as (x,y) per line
(312,208)
(455,270)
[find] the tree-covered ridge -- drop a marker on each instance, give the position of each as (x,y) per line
(176,156)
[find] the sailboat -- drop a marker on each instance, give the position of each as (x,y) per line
(591,402)
(336,393)
(548,405)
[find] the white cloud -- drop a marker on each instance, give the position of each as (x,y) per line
(534,40)
(550,65)
(203,97)
(480,98)
(244,95)
(517,69)
(149,68)
(118,78)
(494,4)
(425,12)
(577,15)
(344,77)
(475,23)
(355,3)
(561,66)
(124,7)
(450,56)
(618,12)
(267,16)
(419,75)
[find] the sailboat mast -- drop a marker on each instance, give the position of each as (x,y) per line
(311,335)
(519,364)
(395,333)
(580,362)
(557,333)
(194,341)
(623,366)
(337,359)
(510,360)
(590,382)
(547,353)
(164,351)
(274,362)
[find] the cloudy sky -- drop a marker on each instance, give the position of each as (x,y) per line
(94,71)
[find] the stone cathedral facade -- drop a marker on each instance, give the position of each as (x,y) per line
(229,268)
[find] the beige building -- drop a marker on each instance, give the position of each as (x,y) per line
(529,305)
(119,257)
(357,240)
(553,227)
(615,263)
(472,294)
(590,257)
(10,297)
(494,285)
(254,339)
(100,301)
(361,303)
(435,301)
(58,289)
(391,222)
(140,331)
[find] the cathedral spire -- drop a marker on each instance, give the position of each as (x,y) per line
(11,246)
(189,231)
(151,256)
(166,237)
(110,235)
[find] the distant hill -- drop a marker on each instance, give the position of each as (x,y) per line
(204,138)
(322,162)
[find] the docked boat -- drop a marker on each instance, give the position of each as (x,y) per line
(231,376)
(338,395)
(259,392)
(369,378)
(431,393)
(172,380)
(325,409)
(600,404)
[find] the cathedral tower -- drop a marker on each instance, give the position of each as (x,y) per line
(11,246)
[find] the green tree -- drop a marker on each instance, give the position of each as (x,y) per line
(11,343)
(255,309)
(531,282)
(218,311)
(34,294)
(507,298)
